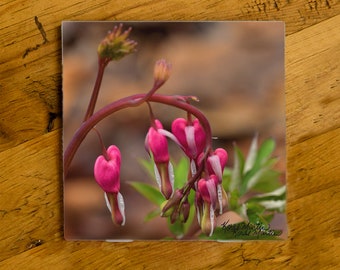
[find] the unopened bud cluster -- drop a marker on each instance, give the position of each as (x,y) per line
(116,44)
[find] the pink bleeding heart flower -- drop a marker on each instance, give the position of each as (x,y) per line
(157,146)
(107,170)
(191,136)
(217,162)
(207,191)
(107,175)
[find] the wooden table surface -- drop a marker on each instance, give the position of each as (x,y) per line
(31,220)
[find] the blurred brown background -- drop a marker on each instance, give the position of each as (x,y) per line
(236,69)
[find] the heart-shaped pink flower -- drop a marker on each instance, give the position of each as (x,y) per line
(107,170)
(191,136)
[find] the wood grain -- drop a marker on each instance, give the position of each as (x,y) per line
(30,139)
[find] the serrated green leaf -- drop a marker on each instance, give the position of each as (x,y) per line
(149,192)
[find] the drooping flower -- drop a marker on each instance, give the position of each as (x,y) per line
(216,163)
(191,136)
(207,199)
(157,146)
(107,175)
(107,170)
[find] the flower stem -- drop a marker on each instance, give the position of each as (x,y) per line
(131,101)
(102,63)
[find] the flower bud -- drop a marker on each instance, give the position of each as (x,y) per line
(172,203)
(161,72)
(116,44)
(184,211)
(157,146)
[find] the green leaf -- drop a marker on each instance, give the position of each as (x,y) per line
(250,179)
(252,154)
(148,165)
(153,214)
(255,212)
(268,181)
(226,179)
(238,169)
(233,200)
(279,194)
(257,174)
(181,170)
(274,205)
(268,218)
(176,228)
(149,192)
(264,153)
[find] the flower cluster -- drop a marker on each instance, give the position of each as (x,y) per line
(205,175)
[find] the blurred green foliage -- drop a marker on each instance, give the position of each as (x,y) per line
(254,192)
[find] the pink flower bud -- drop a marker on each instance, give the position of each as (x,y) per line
(157,144)
(106,172)
(191,137)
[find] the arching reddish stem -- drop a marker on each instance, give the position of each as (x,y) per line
(132,101)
